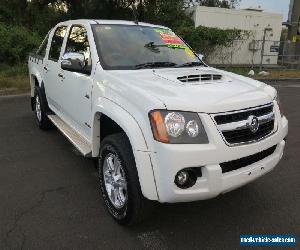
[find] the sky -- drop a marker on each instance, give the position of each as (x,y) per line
(279,6)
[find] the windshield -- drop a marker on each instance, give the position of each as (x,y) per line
(137,47)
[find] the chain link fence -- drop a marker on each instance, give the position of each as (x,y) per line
(257,53)
(289,54)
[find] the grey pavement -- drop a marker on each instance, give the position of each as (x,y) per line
(49,196)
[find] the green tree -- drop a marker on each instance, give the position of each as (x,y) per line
(213,3)
(168,13)
(12,11)
(25,22)
(16,43)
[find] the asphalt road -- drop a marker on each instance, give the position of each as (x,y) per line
(49,195)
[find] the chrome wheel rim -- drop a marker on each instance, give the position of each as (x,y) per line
(115,180)
(38,110)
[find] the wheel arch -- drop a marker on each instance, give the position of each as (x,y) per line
(33,83)
(123,120)
(35,80)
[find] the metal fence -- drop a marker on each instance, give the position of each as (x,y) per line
(258,53)
(289,54)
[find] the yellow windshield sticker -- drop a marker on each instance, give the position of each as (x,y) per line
(189,52)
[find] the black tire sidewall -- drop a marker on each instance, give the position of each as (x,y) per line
(36,93)
(44,123)
(131,213)
(118,214)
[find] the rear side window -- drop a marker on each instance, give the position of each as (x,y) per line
(57,42)
(42,49)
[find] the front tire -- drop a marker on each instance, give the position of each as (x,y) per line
(119,182)
(40,110)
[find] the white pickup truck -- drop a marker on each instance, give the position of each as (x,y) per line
(162,124)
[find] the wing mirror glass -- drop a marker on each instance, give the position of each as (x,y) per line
(200,56)
(74,62)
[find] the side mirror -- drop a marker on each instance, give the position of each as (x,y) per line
(200,56)
(73,62)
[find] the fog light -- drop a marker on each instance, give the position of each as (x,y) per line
(185,178)
(182,177)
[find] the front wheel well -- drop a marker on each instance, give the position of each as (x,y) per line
(102,127)
(108,127)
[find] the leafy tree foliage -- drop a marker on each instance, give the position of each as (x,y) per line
(25,22)
(40,15)
(205,40)
(213,3)
(16,42)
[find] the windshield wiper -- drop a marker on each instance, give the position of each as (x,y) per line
(154,65)
(155,47)
(190,64)
(151,45)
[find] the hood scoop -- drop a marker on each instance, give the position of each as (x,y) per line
(200,78)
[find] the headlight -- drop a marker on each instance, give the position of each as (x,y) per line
(175,123)
(192,128)
(177,127)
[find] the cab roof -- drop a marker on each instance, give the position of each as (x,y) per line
(100,21)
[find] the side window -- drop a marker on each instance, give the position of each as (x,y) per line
(78,42)
(57,42)
(42,49)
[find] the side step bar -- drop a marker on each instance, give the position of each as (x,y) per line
(80,143)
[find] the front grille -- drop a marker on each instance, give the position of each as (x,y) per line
(222,119)
(245,135)
(246,161)
(236,127)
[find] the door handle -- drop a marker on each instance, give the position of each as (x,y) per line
(61,75)
(45,68)
(87,96)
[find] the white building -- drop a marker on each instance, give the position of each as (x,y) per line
(258,23)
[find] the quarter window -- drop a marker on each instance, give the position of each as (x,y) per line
(42,49)
(57,42)
(78,43)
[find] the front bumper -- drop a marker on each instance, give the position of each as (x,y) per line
(168,159)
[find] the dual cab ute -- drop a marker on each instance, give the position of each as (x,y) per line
(162,124)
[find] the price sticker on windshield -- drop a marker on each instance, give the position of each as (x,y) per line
(170,38)
(189,52)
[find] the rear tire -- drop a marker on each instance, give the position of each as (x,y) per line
(40,110)
(127,205)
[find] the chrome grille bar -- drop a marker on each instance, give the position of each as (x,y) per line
(245,123)
(239,126)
